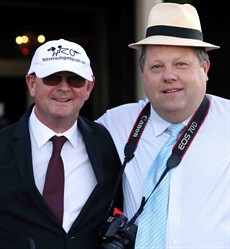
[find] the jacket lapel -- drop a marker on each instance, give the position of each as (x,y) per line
(93,147)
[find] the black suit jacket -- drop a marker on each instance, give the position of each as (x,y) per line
(26,222)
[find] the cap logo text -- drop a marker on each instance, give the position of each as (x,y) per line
(62,53)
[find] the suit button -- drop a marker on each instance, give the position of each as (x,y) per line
(69,237)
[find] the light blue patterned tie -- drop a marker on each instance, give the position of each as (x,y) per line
(152,222)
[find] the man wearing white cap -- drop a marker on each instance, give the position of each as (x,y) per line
(185,204)
(34,213)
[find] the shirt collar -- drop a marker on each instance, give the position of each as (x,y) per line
(160,125)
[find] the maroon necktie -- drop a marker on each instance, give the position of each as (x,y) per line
(53,192)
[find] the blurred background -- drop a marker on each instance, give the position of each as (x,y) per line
(104,29)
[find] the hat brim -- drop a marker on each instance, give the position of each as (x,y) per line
(172,41)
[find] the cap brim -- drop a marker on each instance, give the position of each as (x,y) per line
(47,70)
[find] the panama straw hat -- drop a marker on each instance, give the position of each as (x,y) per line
(175,25)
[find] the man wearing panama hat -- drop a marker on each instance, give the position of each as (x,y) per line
(174,65)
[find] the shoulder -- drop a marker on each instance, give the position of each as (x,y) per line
(123,112)
(86,125)
(218,115)
(6,132)
(218,103)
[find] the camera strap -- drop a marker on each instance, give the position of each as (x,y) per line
(136,132)
(178,151)
(131,145)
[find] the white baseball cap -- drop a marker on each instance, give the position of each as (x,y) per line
(61,55)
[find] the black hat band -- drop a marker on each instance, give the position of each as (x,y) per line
(174,31)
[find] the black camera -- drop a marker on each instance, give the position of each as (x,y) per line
(118,234)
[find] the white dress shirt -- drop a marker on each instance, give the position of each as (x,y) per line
(80,179)
(199,203)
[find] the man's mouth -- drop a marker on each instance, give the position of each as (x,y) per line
(172,90)
(61,99)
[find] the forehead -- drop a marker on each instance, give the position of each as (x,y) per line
(170,53)
(170,49)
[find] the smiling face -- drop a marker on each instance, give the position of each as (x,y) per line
(174,81)
(58,105)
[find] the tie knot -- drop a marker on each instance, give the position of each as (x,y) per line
(58,142)
(175,129)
